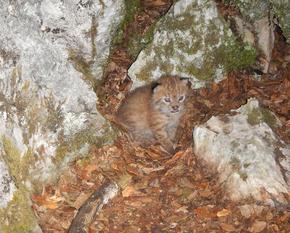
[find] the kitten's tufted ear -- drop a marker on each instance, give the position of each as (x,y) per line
(186,81)
(154,86)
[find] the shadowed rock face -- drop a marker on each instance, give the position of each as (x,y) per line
(256,22)
(253,11)
(249,158)
(52,54)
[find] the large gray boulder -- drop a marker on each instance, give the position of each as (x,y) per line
(51,57)
(249,158)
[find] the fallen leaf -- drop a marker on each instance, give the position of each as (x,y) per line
(284,217)
(148,170)
(205,193)
(46,201)
(249,210)
(130,191)
(131,169)
(227,227)
(175,158)
(124,180)
(182,209)
(258,226)
(155,3)
(204,212)
(86,171)
(274,227)
(223,213)
(246,211)
(138,201)
(269,216)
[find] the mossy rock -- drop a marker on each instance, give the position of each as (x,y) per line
(18,216)
(257,9)
(192,40)
(257,114)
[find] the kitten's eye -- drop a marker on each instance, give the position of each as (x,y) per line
(167,99)
(181,98)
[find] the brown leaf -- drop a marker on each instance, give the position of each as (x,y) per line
(131,191)
(155,3)
(258,226)
(204,212)
(182,209)
(86,171)
(249,210)
(148,170)
(139,202)
(46,201)
(284,217)
(205,193)
(227,227)
(132,169)
(223,213)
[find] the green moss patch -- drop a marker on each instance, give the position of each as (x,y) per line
(259,115)
(18,165)
(233,55)
(18,216)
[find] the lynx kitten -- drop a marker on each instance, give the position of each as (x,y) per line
(151,113)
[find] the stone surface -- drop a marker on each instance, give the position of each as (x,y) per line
(249,157)
(256,10)
(256,24)
(7,186)
(50,50)
(191,40)
(52,54)
(282,11)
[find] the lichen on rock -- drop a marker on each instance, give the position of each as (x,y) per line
(7,187)
(191,40)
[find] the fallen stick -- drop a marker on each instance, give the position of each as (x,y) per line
(87,212)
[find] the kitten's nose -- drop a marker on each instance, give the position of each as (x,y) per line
(175,107)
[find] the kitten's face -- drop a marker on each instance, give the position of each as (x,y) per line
(169,94)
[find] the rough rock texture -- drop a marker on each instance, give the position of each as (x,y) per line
(51,58)
(250,159)
(7,186)
(258,9)
(282,10)
(192,40)
(256,25)
(259,34)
